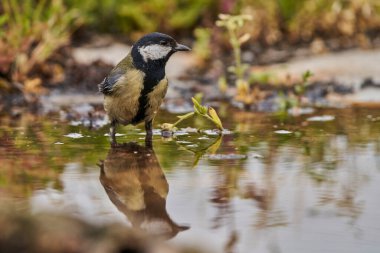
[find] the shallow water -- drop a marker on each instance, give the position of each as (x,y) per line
(274,184)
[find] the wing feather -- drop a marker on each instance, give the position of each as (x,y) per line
(106,86)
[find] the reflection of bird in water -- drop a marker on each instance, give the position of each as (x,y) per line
(136,184)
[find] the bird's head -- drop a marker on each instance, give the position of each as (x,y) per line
(155,49)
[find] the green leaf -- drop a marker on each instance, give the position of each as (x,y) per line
(199,97)
(198,108)
(215,118)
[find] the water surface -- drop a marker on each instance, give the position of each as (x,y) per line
(274,184)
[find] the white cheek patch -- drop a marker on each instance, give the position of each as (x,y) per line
(154,52)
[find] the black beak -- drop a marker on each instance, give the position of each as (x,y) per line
(181,47)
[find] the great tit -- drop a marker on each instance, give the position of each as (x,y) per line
(135,88)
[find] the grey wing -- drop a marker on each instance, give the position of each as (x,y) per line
(106,86)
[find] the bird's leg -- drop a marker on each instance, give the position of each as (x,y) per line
(149,133)
(113,133)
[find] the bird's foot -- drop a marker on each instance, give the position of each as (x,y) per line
(148,140)
(113,142)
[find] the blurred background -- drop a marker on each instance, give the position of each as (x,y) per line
(52,44)
(296,84)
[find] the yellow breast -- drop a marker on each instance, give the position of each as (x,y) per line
(155,98)
(123,104)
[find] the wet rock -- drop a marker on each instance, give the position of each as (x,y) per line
(370,83)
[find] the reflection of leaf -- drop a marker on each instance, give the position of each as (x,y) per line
(198,157)
(212,148)
(215,146)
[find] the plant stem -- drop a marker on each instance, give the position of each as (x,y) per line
(182,118)
(237,53)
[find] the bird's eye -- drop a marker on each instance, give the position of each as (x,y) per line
(164,43)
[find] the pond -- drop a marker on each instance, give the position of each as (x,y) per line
(273,183)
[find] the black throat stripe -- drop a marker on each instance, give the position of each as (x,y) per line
(154,73)
(150,81)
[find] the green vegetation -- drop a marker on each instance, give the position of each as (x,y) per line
(206,112)
(143,16)
(296,98)
(273,20)
(233,25)
(31,31)
(300,88)
(202,47)
(236,38)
